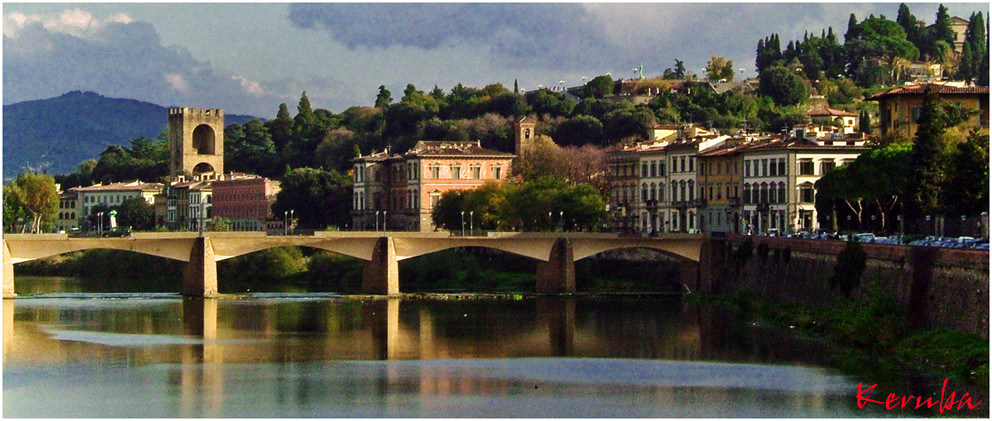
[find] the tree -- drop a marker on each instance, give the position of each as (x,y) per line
(249,148)
(967,187)
(783,86)
(33,195)
(136,213)
(876,178)
(719,68)
(318,198)
(580,130)
(383,98)
(883,40)
(942,27)
(599,87)
(281,128)
(910,24)
(926,175)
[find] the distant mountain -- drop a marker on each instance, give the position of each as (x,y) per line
(54,135)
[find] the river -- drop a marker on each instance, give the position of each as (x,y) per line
(139,354)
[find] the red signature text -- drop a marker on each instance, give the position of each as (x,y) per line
(947,402)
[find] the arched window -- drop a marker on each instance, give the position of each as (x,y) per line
(692,189)
(781,192)
(654,195)
(661,192)
(644,192)
(747,193)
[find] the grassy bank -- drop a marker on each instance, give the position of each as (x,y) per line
(870,338)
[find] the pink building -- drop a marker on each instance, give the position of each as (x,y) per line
(246,203)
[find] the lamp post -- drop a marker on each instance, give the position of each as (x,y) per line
(285,222)
(291,220)
(551,224)
(928,226)
(99,223)
(463,223)
(377,220)
(899,217)
(471,222)
(385,214)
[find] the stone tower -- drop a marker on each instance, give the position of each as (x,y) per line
(196,138)
(524,132)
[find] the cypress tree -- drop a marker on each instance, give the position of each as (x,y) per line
(926,176)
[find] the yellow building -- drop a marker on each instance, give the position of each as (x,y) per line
(899,108)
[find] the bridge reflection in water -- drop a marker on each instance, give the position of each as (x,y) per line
(383,356)
(381,252)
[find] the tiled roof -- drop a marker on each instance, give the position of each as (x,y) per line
(819,112)
(445,148)
(939,88)
(125,186)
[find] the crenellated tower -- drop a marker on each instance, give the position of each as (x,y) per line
(196,138)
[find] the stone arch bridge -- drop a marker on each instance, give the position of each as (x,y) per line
(556,252)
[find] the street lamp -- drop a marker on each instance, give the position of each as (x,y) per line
(551,224)
(291,218)
(899,217)
(99,223)
(561,220)
(471,222)
(285,222)
(377,220)
(463,223)
(384,225)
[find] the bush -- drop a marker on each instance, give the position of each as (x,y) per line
(849,268)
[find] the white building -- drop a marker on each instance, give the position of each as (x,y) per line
(778,193)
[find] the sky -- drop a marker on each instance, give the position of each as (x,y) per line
(247,58)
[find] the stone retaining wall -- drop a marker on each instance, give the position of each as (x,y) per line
(943,288)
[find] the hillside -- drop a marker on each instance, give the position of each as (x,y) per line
(54,135)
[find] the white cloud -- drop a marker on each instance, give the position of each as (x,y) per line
(75,22)
(249,86)
(178,82)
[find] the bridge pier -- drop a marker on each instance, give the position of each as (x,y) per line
(200,274)
(8,273)
(712,255)
(381,274)
(557,275)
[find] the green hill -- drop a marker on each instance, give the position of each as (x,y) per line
(54,135)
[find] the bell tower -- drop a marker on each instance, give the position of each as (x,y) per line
(196,139)
(524,134)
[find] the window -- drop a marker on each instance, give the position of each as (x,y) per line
(781,167)
(661,192)
(456,171)
(653,190)
(692,164)
(719,191)
(435,171)
(806,193)
(435,198)
(654,168)
(681,164)
(747,168)
(764,167)
(476,171)
(644,169)
(497,172)
(661,168)
(826,166)
(675,164)
(805,167)
(644,192)
(781,193)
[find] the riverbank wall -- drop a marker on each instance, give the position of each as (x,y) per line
(942,288)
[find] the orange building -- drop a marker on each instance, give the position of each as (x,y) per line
(398,192)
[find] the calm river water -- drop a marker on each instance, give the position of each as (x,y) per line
(320,355)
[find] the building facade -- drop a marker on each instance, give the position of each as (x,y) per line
(399,192)
(900,108)
(778,191)
(100,196)
(245,203)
